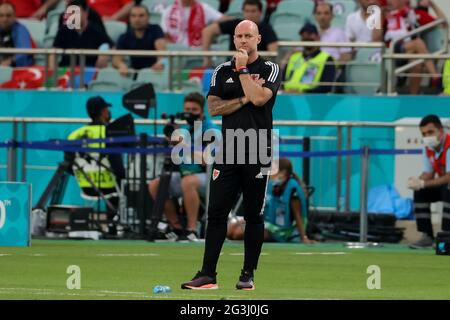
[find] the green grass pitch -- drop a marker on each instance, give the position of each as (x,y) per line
(130,269)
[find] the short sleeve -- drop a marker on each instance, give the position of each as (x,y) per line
(348,29)
(447,162)
(157,32)
(426,162)
(215,88)
(121,42)
(272,77)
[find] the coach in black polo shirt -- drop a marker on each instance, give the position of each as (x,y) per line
(252,10)
(140,36)
(243,93)
(89,36)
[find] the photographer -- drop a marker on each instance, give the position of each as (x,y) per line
(190,180)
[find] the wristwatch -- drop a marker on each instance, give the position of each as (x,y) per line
(243,70)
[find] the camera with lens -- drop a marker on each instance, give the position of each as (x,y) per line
(170,127)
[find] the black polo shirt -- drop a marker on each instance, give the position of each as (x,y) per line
(268,35)
(129,41)
(92,38)
(226,85)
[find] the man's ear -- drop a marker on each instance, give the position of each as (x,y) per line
(259,38)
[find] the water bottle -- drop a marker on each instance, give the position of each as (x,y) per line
(161,289)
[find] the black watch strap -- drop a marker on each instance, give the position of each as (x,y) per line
(244,71)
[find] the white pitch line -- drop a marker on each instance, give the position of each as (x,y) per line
(4,254)
(241,254)
(128,254)
(320,253)
(107,293)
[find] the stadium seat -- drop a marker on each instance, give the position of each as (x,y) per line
(364,69)
(287,32)
(293,11)
(159,79)
(341,9)
(191,86)
(434,39)
(213,3)
(50,35)
(53,18)
(155,18)
(5,74)
(235,9)
(36,29)
(115,29)
(109,79)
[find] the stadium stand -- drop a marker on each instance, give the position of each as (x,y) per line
(109,79)
(115,29)
(159,79)
(5,73)
(364,69)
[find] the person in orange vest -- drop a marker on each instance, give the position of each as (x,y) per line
(433,183)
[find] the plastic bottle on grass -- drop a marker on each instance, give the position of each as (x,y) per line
(161,289)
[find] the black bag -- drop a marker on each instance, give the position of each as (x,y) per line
(443,243)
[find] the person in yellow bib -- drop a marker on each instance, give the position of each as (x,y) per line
(97,171)
(310,70)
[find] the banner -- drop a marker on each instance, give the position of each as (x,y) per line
(15,209)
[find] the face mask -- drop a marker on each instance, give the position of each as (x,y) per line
(191,118)
(431,142)
(277,182)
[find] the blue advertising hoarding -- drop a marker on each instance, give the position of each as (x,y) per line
(15,209)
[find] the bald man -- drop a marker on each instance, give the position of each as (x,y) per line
(243,92)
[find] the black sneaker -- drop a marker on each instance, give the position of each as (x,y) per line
(426,242)
(188,236)
(245,281)
(201,281)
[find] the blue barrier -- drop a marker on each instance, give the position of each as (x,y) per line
(72,146)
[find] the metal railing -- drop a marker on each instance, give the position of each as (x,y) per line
(394,72)
(341,128)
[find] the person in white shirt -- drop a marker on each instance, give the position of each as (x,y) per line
(323,13)
(356,24)
(184,20)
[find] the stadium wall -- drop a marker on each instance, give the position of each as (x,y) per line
(288,107)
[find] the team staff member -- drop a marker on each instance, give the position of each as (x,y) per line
(243,93)
(433,183)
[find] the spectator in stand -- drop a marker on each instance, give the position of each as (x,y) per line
(184,20)
(252,10)
(323,13)
(112,9)
(355,26)
(307,69)
(140,36)
(224,5)
(35,9)
(423,12)
(13,34)
(399,20)
(89,36)
(271,8)
(93,15)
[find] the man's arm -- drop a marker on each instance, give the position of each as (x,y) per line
(257,94)
(42,11)
(220,107)
(430,183)
(122,13)
(208,34)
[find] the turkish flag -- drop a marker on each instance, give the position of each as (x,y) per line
(26,78)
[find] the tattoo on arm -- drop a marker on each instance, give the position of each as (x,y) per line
(219,107)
